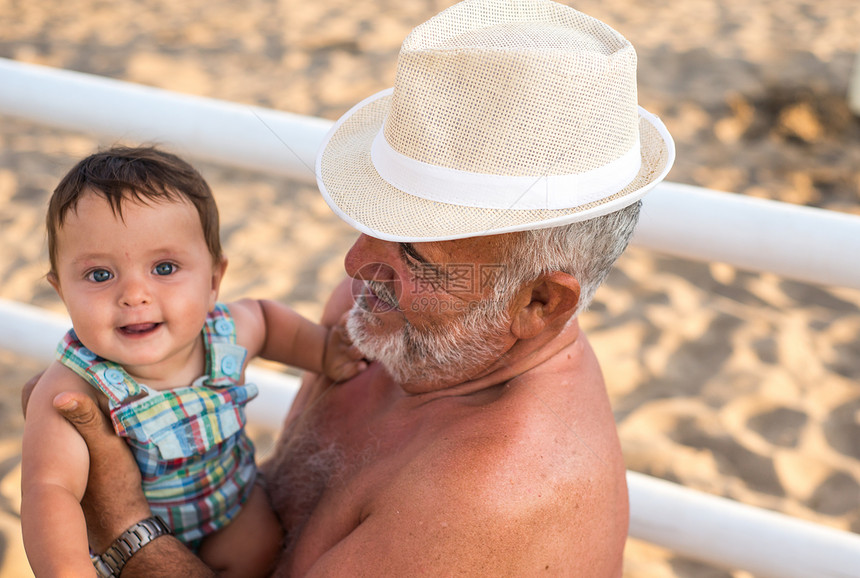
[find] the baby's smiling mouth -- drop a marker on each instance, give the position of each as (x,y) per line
(139,328)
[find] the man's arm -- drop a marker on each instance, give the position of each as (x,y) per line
(114,500)
(512,525)
(512,489)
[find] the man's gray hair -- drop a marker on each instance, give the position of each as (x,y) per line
(585,249)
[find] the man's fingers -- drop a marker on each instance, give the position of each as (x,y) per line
(83,413)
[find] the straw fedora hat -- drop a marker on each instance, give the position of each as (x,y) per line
(505,115)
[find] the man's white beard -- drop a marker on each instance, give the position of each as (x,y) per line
(453,353)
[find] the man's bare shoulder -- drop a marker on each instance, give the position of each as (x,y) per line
(528,437)
(516,482)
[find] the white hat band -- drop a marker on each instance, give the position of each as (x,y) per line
(456,187)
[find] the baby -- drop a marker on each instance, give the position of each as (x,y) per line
(135,256)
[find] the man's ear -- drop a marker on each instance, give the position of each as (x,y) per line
(218,271)
(551,297)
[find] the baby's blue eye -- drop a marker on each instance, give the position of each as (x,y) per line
(100,275)
(165,269)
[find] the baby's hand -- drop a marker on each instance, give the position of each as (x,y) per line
(342,359)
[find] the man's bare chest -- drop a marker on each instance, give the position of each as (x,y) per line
(334,459)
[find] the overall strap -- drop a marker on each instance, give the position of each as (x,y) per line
(224,358)
(106,376)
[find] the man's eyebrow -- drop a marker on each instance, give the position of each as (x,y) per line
(425,265)
(409,249)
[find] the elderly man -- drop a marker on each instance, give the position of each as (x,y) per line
(494,187)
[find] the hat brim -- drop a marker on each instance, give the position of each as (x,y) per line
(356,193)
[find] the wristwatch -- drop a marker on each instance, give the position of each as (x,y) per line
(110,564)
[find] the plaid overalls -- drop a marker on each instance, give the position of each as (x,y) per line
(195,459)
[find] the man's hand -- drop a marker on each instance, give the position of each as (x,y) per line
(113,500)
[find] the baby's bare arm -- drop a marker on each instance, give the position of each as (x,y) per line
(342,360)
(53,482)
(278,333)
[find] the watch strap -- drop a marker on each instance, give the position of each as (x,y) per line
(111,562)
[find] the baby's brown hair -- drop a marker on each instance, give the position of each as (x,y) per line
(141,174)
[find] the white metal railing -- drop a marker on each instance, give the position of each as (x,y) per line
(796,242)
(233,134)
(801,243)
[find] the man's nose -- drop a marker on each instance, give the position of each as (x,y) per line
(134,291)
(370,258)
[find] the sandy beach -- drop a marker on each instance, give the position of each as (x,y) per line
(735,383)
